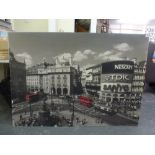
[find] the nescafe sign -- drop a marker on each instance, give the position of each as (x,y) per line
(124,66)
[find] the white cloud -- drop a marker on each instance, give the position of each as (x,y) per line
(103,55)
(88,51)
(116,56)
(106,53)
(123,47)
(109,55)
(27,57)
(79,56)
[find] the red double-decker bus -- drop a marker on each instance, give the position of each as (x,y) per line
(86,101)
(32,97)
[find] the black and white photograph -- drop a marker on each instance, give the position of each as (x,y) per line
(76,79)
(102,25)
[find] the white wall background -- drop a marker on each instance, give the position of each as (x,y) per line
(65,25)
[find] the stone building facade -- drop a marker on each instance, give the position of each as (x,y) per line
(53,78)
(18,78)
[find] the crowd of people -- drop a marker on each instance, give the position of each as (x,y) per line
(52,121)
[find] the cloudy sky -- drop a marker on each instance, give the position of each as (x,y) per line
(84,48)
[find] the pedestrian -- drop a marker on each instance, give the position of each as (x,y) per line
(77,119)
(21,117)
(83,122)
(97,120)
(25,111)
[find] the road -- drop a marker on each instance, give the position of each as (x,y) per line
(18,107)
(62,106)
(145,126)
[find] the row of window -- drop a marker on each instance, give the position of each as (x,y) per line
(31,78)
(139,77)
(53,70)
(45,83)
(35,83)
(96,79)
(138,83)
(137,89)
(59,70)
(58,84)
(142,70)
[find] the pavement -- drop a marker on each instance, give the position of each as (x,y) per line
(146,123)
(23,109)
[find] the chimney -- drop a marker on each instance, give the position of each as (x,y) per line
(70,61)
(57,61)
(44,60)
(24,61)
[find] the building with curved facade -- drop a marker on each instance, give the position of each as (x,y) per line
(53,79)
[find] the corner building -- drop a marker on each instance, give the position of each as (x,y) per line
(18,78)
(52,78)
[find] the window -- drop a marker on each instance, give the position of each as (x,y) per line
(58,77)
(65,77)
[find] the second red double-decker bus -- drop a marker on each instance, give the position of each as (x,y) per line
(32,97)
(86,101)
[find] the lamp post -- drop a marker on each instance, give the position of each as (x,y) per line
(51,95)
(72,117)
(52,103)
(30,107)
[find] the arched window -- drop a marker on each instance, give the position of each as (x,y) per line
(65,91)
(59,91)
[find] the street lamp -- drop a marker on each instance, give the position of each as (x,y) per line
(52,103)
(30,107)
(72,116)
(51,95)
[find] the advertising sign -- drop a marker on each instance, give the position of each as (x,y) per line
(127,78)
(120,67)
(116,87)
(116,84)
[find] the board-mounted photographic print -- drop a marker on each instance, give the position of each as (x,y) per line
(76,79)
